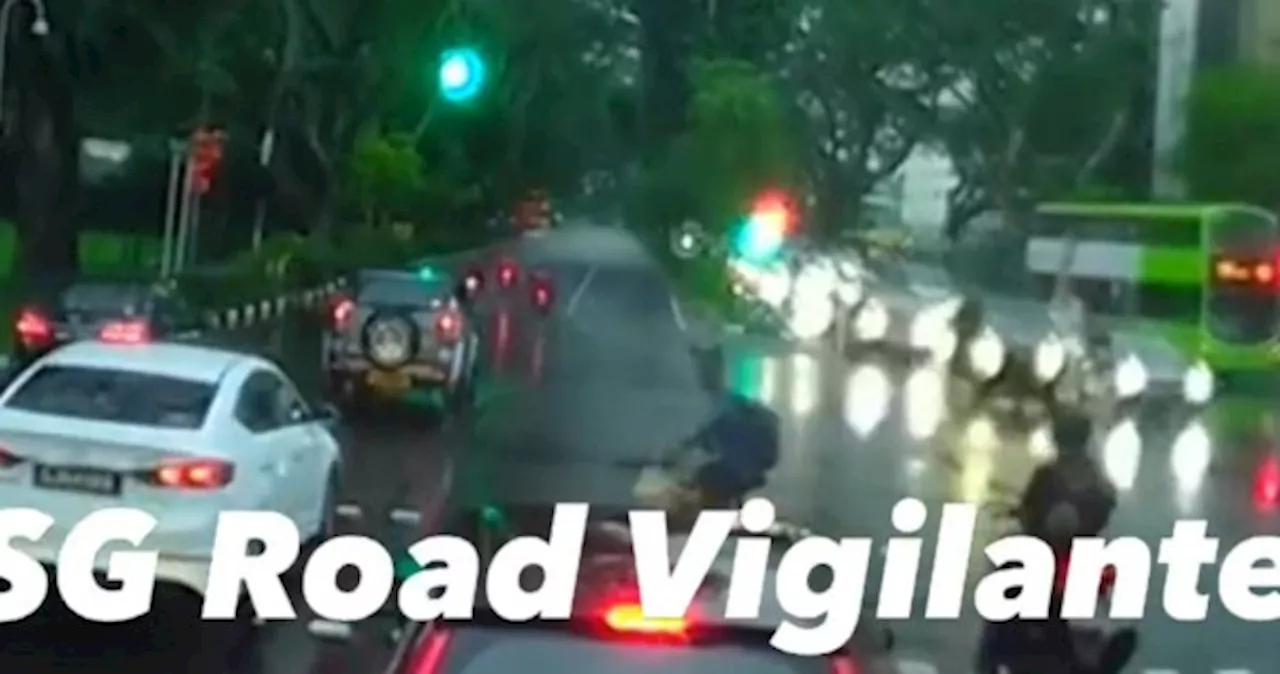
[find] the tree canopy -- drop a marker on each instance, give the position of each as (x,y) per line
(1233,128)
(682,108)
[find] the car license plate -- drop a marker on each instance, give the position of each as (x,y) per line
(77,479)
(389,381)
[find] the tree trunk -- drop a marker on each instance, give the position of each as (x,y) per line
(47,153)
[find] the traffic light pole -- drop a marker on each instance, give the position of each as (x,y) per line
(185,206)
(171,206)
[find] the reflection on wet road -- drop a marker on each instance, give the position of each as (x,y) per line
(575,404)
(862,436)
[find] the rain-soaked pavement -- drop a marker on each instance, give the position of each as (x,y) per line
(575,405)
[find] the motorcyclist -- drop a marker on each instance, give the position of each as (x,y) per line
(1069,496)
(740,443)
(1066,498)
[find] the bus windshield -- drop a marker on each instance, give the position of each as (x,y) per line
(1243,305)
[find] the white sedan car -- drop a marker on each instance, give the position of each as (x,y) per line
(182,432)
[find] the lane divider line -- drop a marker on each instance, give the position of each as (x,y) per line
(678,313)
(581,290)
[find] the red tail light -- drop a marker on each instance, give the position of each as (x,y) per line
(197,474)
(34,330)
(449,326)
(843,664)
(1266,484)
(125,332)
(507,274)
(342,311)
(431,652)
(542,295)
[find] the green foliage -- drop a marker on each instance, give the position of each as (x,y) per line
(1229,152)
(385,176)
(1049,90)
(738,143)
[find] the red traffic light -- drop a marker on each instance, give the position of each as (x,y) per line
(206,158)
(773,211)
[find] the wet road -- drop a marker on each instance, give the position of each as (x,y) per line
(609,382)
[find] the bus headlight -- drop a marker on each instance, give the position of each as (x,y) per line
(986,354)
(1130,377)
(1197,384)
(871,323)
(1049,359)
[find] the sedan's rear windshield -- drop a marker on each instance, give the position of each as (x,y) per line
(100,394)
(536,652)
(112,299)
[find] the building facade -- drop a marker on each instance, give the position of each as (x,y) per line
(1239,30)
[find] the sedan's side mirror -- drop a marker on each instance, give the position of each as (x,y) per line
(327,414)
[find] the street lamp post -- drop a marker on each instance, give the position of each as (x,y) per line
(39,27)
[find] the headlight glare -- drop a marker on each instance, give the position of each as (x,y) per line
(1049,359)
(871,321)
(1130,377)
(986,354)
(1197,384)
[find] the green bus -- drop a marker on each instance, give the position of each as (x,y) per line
(1206,276)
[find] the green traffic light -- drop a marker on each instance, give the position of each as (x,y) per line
(757,241)
(462,73)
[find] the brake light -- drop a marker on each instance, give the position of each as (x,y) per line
(630,619)
(33,328)
(1266,484)
(449,326)
(125,332)
(842,664)
(431,654)
(506,275)
(196,474)
(343,308)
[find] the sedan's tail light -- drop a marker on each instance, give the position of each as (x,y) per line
(194,474)
(33,328)
(507,274)
(542,296)
(125,332)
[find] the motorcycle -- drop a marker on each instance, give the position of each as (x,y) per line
(1025,646)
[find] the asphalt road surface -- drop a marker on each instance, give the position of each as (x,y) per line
(575,405)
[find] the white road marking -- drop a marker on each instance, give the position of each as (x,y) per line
(678,314)
(581,290)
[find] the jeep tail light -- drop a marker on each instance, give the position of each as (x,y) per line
(343,309)
(449,326)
